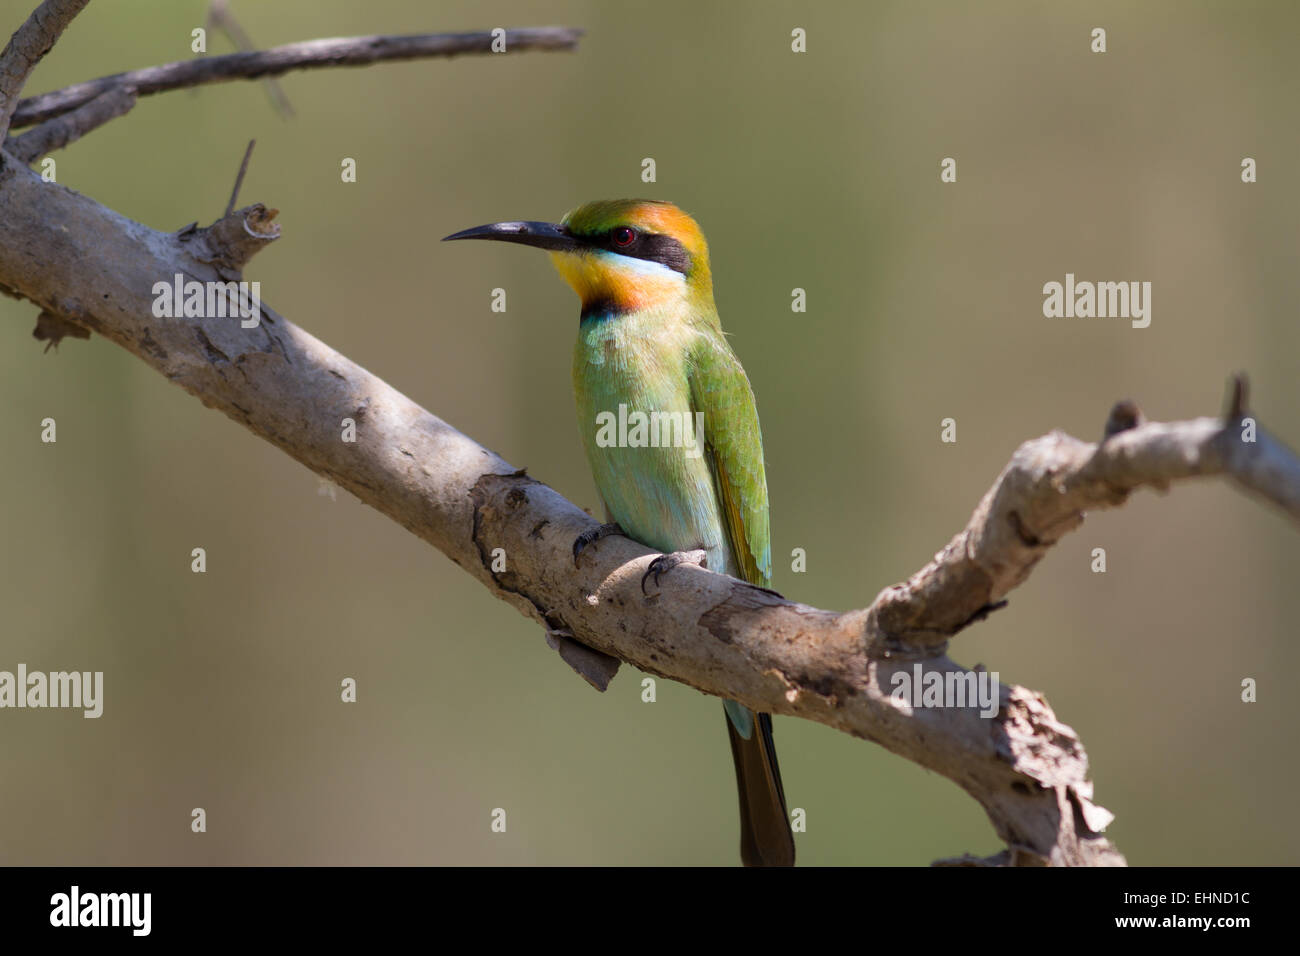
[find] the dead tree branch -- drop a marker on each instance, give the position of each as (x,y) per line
(27,47)
(222,18)
(67,128)
(311,54)
(1043,494)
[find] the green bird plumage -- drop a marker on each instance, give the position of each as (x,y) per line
(650,341)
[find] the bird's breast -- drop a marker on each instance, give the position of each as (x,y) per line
(644,441)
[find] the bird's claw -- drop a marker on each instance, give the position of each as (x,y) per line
(666,562)
(590,537)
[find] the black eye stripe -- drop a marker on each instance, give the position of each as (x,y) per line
(649,245)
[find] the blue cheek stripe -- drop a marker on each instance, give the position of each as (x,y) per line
(632,264)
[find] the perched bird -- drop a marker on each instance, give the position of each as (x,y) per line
(649,341)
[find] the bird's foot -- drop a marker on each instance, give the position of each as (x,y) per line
(590,537)
(666,562)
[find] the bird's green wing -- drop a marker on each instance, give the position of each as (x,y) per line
(734,445)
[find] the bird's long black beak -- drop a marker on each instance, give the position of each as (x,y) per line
(543,235)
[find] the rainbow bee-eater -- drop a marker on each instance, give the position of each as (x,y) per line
(650,342)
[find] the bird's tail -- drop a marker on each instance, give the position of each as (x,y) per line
(765,837)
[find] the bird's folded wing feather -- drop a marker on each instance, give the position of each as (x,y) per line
(734,445)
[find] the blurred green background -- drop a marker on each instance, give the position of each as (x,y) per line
(816,170)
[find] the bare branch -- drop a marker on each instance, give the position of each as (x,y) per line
(222,18)
(1043,494)
(27,47)
(239,179)
(63,130)
(712,632)
(311,54)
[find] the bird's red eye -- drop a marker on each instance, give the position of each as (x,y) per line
(623,236)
